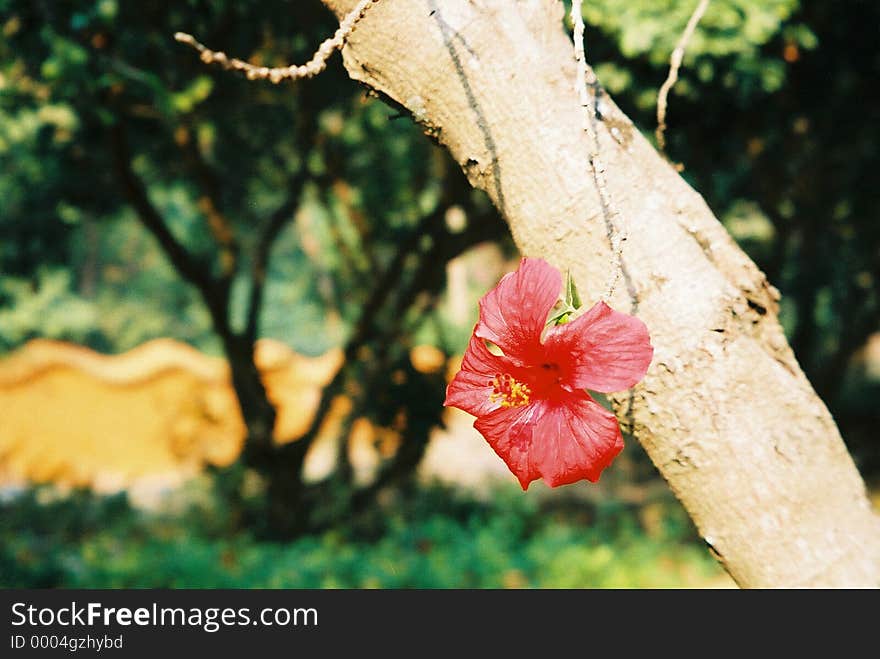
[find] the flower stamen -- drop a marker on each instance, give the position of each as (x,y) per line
(509,392)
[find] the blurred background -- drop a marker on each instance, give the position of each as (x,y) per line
(229,310)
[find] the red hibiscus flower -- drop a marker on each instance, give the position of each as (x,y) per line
(530,400)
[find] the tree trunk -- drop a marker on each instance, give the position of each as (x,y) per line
(725,411)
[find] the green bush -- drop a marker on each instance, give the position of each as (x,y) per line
(429,538)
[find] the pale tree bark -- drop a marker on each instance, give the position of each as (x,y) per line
(725,411)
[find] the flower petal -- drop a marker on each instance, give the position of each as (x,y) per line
(513,314)
(509,431)
(576,440)
(604,350)
(472,385)
(563,441)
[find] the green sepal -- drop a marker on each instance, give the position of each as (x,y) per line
(570,303)
(572,299)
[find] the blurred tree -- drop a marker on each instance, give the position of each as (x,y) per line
(108,120)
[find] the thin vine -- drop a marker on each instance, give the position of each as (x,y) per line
(313,67)
(674,67)
(586,77)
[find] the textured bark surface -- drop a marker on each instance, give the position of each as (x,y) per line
(725,411)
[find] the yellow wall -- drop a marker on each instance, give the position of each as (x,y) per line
(71,416)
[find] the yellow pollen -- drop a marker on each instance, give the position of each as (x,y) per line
(508,392)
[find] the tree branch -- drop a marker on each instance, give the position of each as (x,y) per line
(278,220)
(190,268)
(220,226)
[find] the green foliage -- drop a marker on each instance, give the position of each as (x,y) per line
(432,539)
(72,73)
(48,309)
(732,36)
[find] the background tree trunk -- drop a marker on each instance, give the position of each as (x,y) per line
(725,411)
